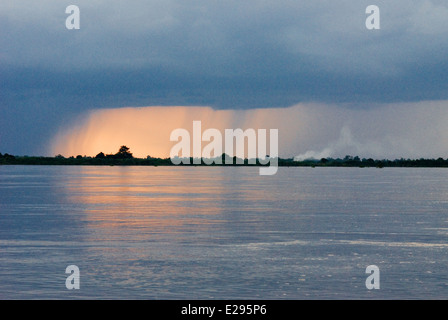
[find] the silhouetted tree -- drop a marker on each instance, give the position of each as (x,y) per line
(123,153)
(100,156)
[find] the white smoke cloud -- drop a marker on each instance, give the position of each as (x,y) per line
(346,144)
(310,155)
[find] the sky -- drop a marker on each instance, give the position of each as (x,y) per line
(256,56)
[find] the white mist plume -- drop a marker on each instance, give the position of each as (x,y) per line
(310,155)
(346,144)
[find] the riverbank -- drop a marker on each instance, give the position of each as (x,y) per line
(348,161)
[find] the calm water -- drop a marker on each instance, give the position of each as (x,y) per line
(223,233)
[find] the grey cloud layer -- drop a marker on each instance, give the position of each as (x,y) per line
(227,37)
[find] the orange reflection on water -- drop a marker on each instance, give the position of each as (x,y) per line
(140,200)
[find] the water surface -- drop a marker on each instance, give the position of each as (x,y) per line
(223,232)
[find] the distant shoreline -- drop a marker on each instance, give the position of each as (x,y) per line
(348,161)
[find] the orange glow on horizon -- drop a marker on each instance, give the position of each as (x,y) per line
(409,130)
(146,130)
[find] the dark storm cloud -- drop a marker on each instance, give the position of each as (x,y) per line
(226,54)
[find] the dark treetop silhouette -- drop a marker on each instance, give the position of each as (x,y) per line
(123,153)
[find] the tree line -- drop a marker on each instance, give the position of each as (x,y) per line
(125,157)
